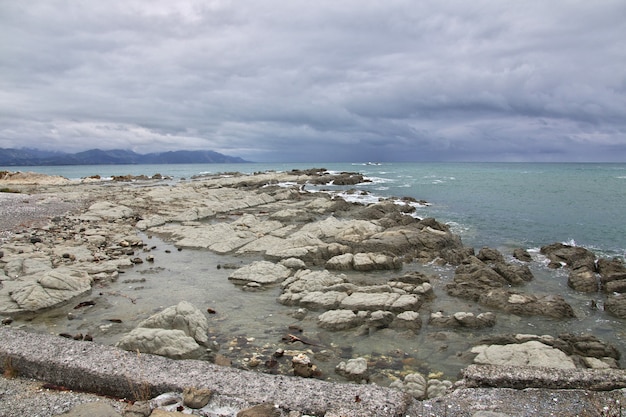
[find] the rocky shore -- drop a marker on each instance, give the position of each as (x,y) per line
(345,264)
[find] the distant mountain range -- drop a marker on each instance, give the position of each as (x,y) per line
(34,157)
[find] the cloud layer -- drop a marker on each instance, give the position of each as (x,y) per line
(323,81)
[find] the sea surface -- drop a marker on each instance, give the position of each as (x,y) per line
(503,206)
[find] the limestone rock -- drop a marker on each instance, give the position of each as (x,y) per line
(183,316)
(173,344)
(47,289)
(261,272)
(409,320)
(413,384)
(340,319)
(531,353)
(104,210)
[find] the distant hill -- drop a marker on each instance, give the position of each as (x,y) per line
(33,157)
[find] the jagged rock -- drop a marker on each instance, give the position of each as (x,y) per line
(489,255)
(531,353)
(616,305)
(515,274)
(611,269)
(522,255)
(583,279)
(261,272)
(353,369)
(569,255)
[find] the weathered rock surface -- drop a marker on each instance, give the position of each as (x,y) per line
(531,353)
(178,332)
(463,319)
(261,272)
(354,369)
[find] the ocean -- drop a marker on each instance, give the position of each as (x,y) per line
(500,205)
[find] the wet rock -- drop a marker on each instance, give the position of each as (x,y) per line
(615,304)
(196,397)
(522,255)
(513,273)
(463,319)
(611,269)
(353,369)
(531,353)
(489,255)
(380,319)
(569,255)
(407,320)
(261,272)
(583,279)
(183,316)
(341,319)
(302,366)
(381,301)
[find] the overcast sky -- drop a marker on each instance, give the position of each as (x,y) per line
(318,81)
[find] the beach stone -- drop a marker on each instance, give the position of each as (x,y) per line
(196,397)
(531,353)
(260,272)
(293,263)
(353,369)
(303,367)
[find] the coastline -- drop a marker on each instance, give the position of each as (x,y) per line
(73,196)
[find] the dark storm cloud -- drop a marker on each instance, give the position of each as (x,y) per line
(318,81)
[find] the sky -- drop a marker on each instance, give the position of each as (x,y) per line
(318,81)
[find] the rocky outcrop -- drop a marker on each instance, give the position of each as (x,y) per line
(178,332)
(489,286)
(43,290)
(462,319)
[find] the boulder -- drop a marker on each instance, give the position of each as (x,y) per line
(615,304)
(381,301)
(380,319)
(569,255)
(173,344)
(532,353)
(185,317)
(363,262)
(302,366)
(513,273)
(260,272)
(463,319)
(583,279)
(611,269)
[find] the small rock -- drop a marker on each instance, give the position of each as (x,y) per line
(353,369)
(196,397)
(302,366)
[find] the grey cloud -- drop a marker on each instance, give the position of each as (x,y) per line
(297,81)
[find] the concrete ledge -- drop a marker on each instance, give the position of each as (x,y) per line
(546,378)
(106,370)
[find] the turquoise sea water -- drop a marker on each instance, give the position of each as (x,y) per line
(503,205)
